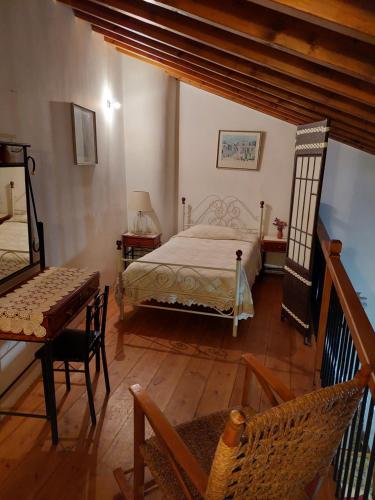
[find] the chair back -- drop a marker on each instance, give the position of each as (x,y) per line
(96,317)
(283,451)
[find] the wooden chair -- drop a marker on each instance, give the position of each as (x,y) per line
(82,345)
(282,453)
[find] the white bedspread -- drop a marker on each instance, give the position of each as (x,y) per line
(184,283)
(14,247)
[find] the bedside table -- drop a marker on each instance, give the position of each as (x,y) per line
(274,245)
(137,245)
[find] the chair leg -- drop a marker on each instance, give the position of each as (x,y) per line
(67,375)
(105,369)
(51,392)
(123,484)
(46,387)
(139,464)
(97,359)
(126,488)
(89,393)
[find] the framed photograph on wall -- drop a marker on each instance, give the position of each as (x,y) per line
(84,136)
(238,149)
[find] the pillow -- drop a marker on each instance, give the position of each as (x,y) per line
(218,233)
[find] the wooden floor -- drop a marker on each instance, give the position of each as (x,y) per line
(189,364)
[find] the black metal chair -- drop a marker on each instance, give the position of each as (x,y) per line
(81,346)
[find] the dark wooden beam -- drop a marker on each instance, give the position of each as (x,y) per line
(218,72)
(276,113)
(196,72)
(219,84)
(246,92)
(350,136)
(232,65)
(227,93)
(296,121)
(251,51)
(355,18)
(280,31)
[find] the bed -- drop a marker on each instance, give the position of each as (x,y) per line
(212,263)
(14,234)
(14,246)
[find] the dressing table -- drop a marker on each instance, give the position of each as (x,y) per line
(36,302)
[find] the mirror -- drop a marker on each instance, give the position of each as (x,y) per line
(15,236)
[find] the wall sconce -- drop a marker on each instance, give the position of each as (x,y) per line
(113,104)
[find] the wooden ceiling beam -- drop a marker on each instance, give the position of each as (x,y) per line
(246,92)
(195,71)
(203,86)
(290,119)
(232,91)
(282,32)
(354,18)
(351,135)
(278,61)
(235,67)
(240,81)
(333,135)
(276,113)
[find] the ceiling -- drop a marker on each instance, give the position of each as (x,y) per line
(297,60)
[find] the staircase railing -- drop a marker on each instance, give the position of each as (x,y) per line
(345,340)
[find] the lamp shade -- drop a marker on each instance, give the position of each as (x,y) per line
(140,201)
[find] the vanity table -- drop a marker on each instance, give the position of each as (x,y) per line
(36,302)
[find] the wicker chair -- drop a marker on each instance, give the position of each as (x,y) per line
(282,453)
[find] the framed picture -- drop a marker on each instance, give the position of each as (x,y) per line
(239,150)
(84,136)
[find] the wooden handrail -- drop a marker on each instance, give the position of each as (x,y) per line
(359,325)
(330,248)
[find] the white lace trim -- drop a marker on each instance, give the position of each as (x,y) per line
(313,130)
(315,145)
(296,275)
(305,325)
(22,311)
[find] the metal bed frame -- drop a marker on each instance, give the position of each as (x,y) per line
(213,210)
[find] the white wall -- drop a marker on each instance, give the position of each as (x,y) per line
(150,103)
(348,212)
(202,115)
(53,60)
(48,60)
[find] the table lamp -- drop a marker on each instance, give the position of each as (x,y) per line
(140,201)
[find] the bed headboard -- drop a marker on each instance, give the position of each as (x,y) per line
(228,211)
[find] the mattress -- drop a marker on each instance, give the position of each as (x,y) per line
(196,271)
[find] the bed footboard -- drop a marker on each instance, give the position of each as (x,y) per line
(171,283)
(119,292)
(237,293)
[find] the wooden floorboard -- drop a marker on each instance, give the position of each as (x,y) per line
(189,364)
